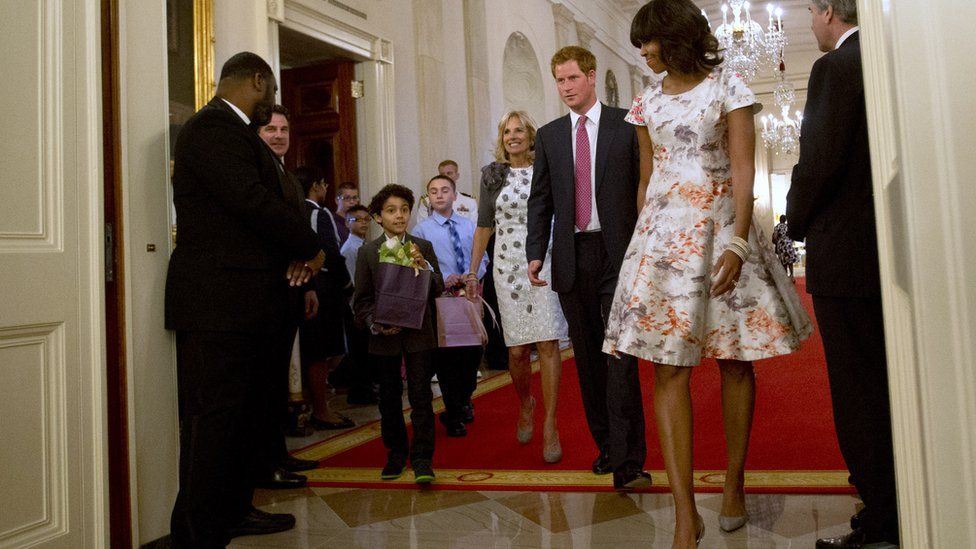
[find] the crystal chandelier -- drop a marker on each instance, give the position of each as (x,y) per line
(782,135)
(748,50)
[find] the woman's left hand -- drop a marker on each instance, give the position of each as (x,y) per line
(725,274)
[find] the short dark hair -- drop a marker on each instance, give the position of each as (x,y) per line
(782,219)
(391,190)
(357,208)
(447,162)
(245,65)
(282,110)
(308,176)
(346,185)
(687,44)
(439,176)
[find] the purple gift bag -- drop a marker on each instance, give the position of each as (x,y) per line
(401,296)
(459,323)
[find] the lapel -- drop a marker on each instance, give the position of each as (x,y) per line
(564,144)
(604,138)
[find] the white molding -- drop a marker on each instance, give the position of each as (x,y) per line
(49,236)
(53,524)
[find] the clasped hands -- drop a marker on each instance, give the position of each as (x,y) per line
(299,272)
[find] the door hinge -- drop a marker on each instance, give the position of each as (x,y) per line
(109,253)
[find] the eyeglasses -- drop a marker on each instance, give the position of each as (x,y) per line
(360,219)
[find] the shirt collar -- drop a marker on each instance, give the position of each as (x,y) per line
(440,219)
(247,121)
(845,36)
(314,203)
(593,115)
(402,238)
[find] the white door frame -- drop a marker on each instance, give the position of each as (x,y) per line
(918,81)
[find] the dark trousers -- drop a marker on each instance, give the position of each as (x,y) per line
(363,373)
(392,427)
(854,345)
(457,374)
(496,353)
(610,386)
(274,449)
(223,380)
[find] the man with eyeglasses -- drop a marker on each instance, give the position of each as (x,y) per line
(347,196)
(357,221)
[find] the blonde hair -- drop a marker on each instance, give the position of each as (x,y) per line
(501,155)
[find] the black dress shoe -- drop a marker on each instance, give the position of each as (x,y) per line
(258,523)
(854,540)
(467,413)
(456,429)
(343,423)
(856,521)
(281,479)
(630,479)
(601,465)
(294,464)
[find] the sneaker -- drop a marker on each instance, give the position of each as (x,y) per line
(394,468)
(422,472)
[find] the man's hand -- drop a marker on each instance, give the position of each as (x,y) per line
(311,305)
(534,267)
(453,281)
(383,329)
(300,272)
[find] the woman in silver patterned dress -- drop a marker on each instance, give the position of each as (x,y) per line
(530,315)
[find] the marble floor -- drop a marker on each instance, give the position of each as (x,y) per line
(337,517)
(353,517)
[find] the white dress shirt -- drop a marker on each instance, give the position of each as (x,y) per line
(592,129)
(239,112)
(845,36)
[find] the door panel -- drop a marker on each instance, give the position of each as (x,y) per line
(52,478)
(323,121)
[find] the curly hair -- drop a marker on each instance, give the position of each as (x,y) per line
(391,190)
(501,155)
(687,44)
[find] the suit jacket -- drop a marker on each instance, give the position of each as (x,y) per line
(830,202)
(364,299)
(239,225)
(552,203)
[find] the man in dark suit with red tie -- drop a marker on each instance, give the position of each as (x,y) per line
(830,205)
(241,242)
(584,195)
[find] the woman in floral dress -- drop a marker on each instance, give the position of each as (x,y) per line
(698,280)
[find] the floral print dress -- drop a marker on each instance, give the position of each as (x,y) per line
(661,310)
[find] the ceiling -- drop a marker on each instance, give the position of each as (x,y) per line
(796,18)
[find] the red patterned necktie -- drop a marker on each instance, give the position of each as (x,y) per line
(583,190)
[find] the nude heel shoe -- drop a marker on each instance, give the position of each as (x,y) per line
(524,434)
(731,524)
(553,452)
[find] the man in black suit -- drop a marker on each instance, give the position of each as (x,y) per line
(281,470)
(241,243)
(830,205)
(584,194)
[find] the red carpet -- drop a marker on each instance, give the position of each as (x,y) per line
(793,428)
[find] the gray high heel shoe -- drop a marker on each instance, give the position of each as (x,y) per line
(731,524)
(525,435)
(554,452)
